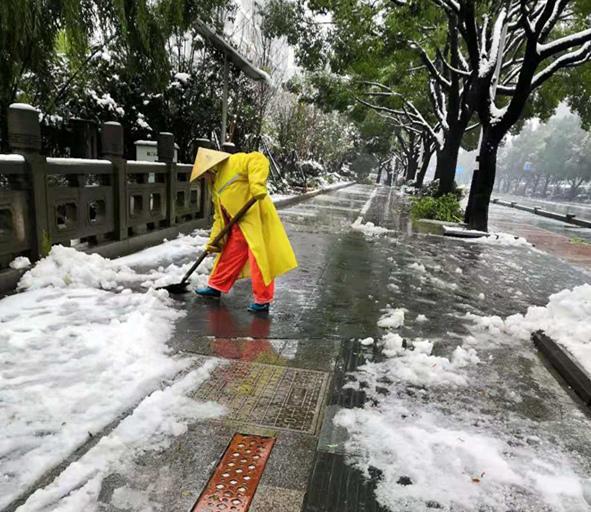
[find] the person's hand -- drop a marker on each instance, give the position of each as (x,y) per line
(213,248)
(260,196)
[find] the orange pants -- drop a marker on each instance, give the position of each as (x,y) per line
(234,256)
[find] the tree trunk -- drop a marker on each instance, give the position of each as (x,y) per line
(390,176)
(447,161)
(411,169)
(545,189)
(535,187)
(483,183)
(574,189)
(424,167)
(499,185)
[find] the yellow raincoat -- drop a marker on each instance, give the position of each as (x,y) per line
(237,179)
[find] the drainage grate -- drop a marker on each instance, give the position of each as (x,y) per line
(267,395)
(232,486)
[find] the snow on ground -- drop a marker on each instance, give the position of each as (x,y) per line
(566,319)
(82,342)
(505,239)
(430,455)
(282,197)
(369,228)
(152,426)
(20,263)
(392,318)
(169,251)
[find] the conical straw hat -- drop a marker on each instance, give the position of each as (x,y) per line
(205,160)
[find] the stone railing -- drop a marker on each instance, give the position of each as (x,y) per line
(110,203)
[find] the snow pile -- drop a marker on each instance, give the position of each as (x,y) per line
(67,267)
(366,342)
(504,239)
(392,318)
(12,158)
(427,462)
(182,77)
(413,363)
(153,424)
(78,348)
(427,445)
(369,228)
(169,251)
(20,263)
(73,360)
(417,267)
(566,319)
(427,458)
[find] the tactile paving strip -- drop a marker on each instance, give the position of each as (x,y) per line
(279,397)
(232,486)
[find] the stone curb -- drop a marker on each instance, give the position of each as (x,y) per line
(289,201)
(564,363)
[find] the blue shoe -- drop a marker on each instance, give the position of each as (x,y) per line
(259,308)
(209,292)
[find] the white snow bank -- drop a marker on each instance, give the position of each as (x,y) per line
(418,267)
(67,267)
(72,361)
(13,157)
(429,458)
(152,425)
(20,263)
(78,348)
(392,318)
(566,319)
(504,239)
(169,251)
(282,197)
(416,365)
(456,468)
(369,228)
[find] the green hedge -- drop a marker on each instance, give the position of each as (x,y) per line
(445,208)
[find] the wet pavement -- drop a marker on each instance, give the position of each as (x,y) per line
(284,375)
(566,241)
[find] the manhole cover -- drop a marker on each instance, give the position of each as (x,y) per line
(267,395)
(232,486)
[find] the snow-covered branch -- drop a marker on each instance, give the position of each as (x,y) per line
(564,43)
(576,57)
(433,71)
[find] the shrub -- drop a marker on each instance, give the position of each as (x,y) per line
(445,208)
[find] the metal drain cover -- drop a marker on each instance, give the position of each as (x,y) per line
(232,486)
(267,395)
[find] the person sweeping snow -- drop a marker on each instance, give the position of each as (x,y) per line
(257,245)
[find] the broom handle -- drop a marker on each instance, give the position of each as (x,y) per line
(220,235)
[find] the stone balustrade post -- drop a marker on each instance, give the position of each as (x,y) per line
(24,137)
(112,150)
(166,155)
